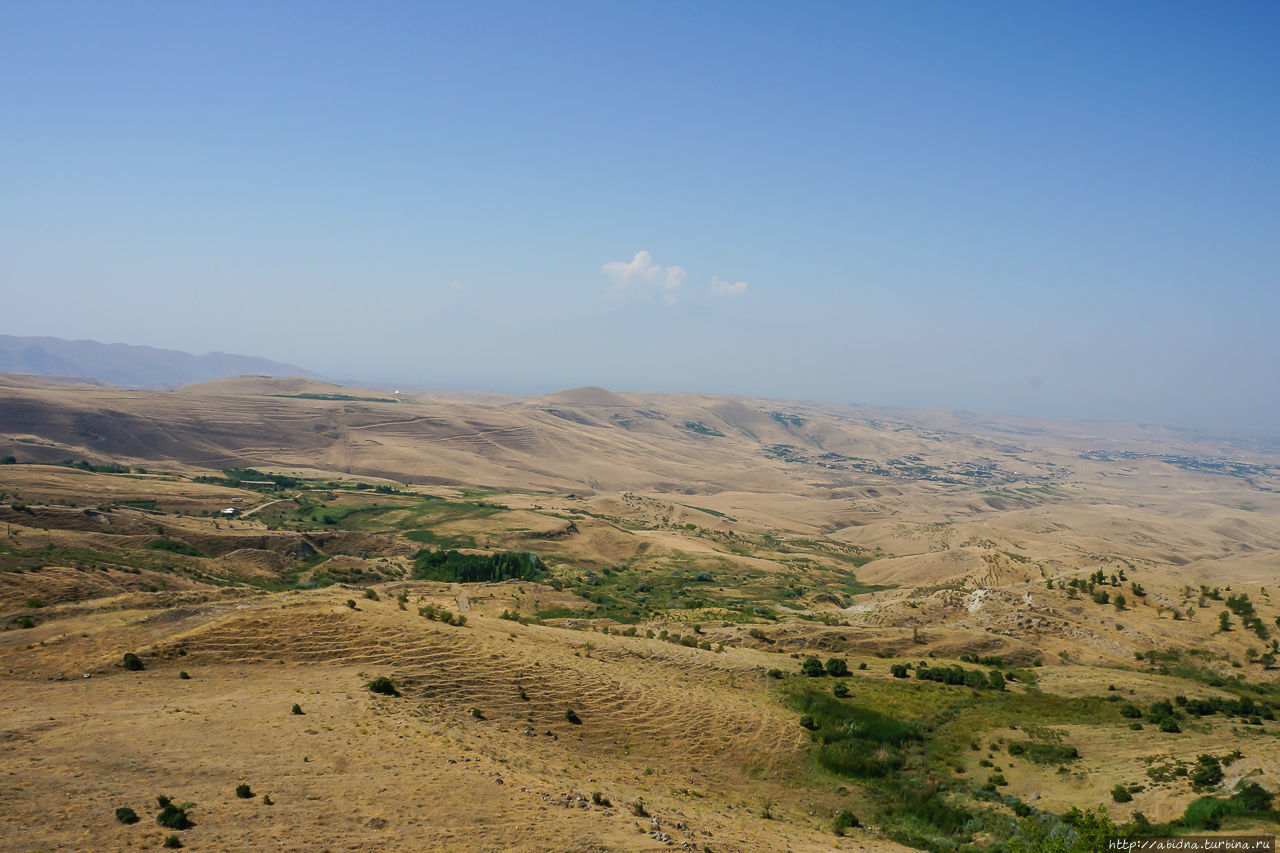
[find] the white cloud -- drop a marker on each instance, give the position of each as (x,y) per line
(725,288)
(642,277)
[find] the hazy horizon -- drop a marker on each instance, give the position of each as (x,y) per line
(1065,212)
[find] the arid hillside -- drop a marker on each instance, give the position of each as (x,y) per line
(622,621)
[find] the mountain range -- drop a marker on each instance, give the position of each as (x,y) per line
(127,365)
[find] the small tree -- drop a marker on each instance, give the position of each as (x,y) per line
(1224,620)
(1121,794)
(124,814)
(132,662)
(838,668)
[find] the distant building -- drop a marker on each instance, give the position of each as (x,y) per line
(229,511)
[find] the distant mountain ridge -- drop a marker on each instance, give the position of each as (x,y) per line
(127,365)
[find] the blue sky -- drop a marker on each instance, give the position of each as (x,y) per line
(1045,209)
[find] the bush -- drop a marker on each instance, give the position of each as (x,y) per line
(132,662)
(572,717)
(1208,772)
(813,668)
(371,594)
(1131,711)
(638,809)
(837,667)
(173,842)
(477,713)
(296,709)
(1169,725)
(244,792)
(1121,794)
(775,673)
(33,602)
(267,801)
(171,816)
(840,690)
(26,622)
(844,820)
(124,814)
(383,685)
(600,799)
(807,722)
(898,670)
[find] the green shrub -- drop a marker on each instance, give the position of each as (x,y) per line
(296,709)
(371,594)
(267,801)
(132,662)
(173,842)
(1208,772)
(813,668)
(1121,794)
(26,622)
(477,713)
(838,667)
(243,791)
(34,602)
(171,816)
(124,814)
(843,820)
(840,690)
(184,675)
(573,717)
(898,670)
(383,685)
(1131,711)
(600,799)
(775,673)
(638,809)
